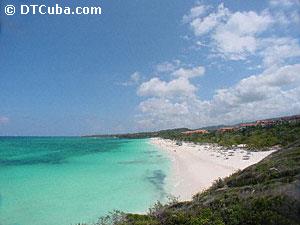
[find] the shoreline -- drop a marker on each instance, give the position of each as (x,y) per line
(195,167)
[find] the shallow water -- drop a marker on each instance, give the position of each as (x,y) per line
(58,180)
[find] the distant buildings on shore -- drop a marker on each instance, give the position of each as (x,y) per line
(196,132)
(227,129)
(263,123)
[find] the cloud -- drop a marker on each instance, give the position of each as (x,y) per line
(260,40)
(258,88)
(286,12)
(160,113)
(237,37)
(134,79)
(268,94)
(201,26)
(189,73)
(163,107)
(278,50)
(177,87)
(234,35)
(167,66)
(4,120)
(287,17)
(196,11)
(284,3)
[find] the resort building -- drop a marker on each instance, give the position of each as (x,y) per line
(270,122)
(295,118)
(265,123)
(195,132)
(227,129)
(248,125)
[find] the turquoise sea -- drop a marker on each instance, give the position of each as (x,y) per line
(66,180)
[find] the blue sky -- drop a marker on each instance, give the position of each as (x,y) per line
(147,65)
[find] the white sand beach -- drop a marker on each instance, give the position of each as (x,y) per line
(196,167)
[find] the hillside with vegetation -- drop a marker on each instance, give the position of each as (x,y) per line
(266,193)
(258,137)
(143,134)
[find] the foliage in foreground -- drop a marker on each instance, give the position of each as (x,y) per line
(265,193)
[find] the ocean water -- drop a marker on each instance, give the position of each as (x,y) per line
(67,180)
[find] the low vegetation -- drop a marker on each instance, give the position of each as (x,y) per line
(266,193)
(144,134)
(258,137)
(254,137)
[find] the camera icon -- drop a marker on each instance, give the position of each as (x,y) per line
(10,10)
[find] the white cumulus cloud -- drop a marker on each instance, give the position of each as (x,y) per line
(241,36)
(277,50)
(177,87)
(268,94)
(196,11)
(202,25)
